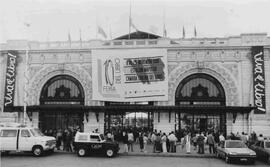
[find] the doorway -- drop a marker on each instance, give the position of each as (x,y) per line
(60,121)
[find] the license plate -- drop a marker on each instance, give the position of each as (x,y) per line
(243,159)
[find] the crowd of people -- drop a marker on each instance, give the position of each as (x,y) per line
(160,141)
(64,138)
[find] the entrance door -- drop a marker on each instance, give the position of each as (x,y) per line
(203,124)
(59,120)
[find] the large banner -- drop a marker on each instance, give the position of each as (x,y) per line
(258,79)
(10,78)
(130,75)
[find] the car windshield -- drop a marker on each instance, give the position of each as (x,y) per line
(102,137)
(36,132)
(235,144)
(267,144)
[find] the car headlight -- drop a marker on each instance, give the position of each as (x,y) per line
(233,153)
(252,153)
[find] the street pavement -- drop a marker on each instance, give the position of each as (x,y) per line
(60,159)
(180,152)
(131,159)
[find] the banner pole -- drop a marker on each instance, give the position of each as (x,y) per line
(25,85)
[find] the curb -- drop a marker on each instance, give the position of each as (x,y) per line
(155,154)
(166,155)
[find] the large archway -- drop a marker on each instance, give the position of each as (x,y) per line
(199,91)
(58,97)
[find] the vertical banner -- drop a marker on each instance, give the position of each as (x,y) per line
(130,75)
(10,79)
(258,79)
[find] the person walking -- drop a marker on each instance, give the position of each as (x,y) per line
(211,142)
(58,139)
(69,141)
(200,142)
(125,141)
(158,143)
(221,140)
(172,140)
(145,139)
(187,141)
(163,143)
(153,140)
(130,141)
(141,141)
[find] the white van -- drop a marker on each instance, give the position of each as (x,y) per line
(20,138)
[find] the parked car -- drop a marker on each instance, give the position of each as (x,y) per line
(19,138)
(94,143)
(262,149)
(235,150)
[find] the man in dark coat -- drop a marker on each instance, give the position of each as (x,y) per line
(200,142)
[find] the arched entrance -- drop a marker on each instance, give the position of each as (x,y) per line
(199,93)
(60,98)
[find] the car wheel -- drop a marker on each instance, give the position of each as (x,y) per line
(109,153)
(268,159)
(4,153)
(37,151)
(217,155)
(227,159)
(252,161)
(81,152)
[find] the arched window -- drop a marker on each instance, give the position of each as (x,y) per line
(200,89)
(62,89)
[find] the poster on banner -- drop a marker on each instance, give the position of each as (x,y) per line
(10,79)
(258,79)
(130,75)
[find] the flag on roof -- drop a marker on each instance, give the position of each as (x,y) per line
(132,24)
(195,32)
(184,33)
(102,32)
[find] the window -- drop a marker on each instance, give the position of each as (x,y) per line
(94,138)
(235,144)
(9,133)
(200,89)
(258,144)
(36,132)
(25,133)
(267,144)
(82,137)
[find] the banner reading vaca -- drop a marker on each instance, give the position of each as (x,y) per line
(258,79)
(130,75)
(10,78)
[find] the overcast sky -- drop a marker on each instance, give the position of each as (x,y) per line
(52,20)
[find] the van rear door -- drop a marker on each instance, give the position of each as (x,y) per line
(9,139)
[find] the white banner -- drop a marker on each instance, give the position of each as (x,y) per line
(129,75)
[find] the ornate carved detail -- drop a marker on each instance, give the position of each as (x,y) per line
(233,68)
(88,69)
(33,70)
(48,72)
(226,80)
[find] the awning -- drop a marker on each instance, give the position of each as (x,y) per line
(132,108)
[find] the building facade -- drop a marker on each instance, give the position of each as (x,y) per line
(211,84)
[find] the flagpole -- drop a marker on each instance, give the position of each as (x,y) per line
(129,19)
(164,27)
(80,38)
(26,79)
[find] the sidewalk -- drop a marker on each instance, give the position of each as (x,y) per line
(149,152)
(179,152)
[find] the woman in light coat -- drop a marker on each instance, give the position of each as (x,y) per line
(187,141)
(163,142)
